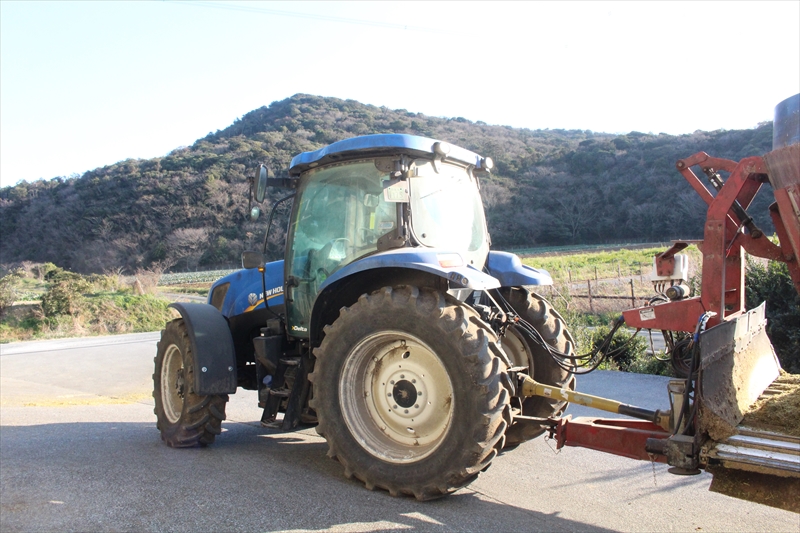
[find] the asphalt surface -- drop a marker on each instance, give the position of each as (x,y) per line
(79,451)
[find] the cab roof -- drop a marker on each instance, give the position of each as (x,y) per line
(379,145)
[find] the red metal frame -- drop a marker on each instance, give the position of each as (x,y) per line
(665,261)
(618,436)
(723,250)
(724,241)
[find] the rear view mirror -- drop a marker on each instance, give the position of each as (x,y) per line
(253,260)
(261,183)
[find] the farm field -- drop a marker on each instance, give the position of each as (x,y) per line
(622,274)
(43,301)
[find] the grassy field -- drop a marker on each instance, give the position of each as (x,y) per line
(50,303)
(623,274)
(44,301)
(576,267)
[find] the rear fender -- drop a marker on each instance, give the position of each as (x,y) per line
(425,260)
(407,266)
(511,272)
(212,348)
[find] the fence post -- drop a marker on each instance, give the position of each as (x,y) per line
(569,274)
(595,273)
(619,273)
(633,295)
(589,284)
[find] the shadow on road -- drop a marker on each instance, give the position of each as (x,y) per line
(120,476)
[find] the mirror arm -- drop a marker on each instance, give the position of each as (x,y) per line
(271,215)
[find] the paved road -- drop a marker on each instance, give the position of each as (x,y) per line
(79,452)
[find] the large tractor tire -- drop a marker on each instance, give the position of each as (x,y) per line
(185,419)
(410,392)
(522,350)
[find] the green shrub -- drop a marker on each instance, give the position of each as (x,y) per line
(101,282)
(772,284)
(9,289)
(128,313)
(628,352)
(42,270)
(65,296)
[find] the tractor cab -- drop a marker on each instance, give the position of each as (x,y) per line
(360,197)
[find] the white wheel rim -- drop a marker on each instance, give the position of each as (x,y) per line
(516,349)
(172,383)
(396,397)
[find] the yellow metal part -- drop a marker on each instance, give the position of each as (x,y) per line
(531,387)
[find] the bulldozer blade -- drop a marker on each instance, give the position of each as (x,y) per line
(737,363)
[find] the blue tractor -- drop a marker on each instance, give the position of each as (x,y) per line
(390,324)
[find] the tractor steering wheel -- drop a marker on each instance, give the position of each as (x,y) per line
(324,254)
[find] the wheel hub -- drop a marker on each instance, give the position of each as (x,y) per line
(173,383)
(405,393)
(180,383)
(396,397)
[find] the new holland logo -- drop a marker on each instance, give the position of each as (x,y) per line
(252,298)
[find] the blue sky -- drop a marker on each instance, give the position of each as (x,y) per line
(87,84)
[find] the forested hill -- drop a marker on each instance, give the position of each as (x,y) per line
(188,209)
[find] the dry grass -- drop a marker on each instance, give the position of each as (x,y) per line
(781,412)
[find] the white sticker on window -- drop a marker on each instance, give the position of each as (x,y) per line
(395,191)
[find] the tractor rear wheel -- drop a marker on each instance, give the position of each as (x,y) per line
(410,392)
(185,418)
(523,350)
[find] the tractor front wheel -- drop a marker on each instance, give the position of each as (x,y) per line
(409,392)
(185,418)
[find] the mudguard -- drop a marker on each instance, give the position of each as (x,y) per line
(212,348)
(424,259)
(511,272)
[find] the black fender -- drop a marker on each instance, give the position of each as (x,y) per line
(212,348)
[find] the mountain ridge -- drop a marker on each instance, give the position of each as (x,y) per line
(187,209)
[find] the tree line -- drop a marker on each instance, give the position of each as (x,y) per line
(188,209)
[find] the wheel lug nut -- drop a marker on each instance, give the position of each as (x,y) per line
(402,376)
(406,411)
(391,382)
(394,407)
(413,381)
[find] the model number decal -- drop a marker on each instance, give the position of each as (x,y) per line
(647,314)
(254,298)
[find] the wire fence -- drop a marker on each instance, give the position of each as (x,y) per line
(599,296)
(581,248)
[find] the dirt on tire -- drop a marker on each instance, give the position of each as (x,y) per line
(470,357)
(185,418)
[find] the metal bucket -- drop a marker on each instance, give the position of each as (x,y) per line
(737,363)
